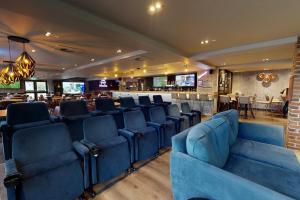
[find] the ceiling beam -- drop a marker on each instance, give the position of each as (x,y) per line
(247,47)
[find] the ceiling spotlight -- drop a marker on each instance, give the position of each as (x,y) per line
(105,78)
(119,51)
(33,50)
(144,70)
(206,41)
(47,34)
(202,42)
(213,40)
(75,65)
(63,68)
(265,59)
(152,9)
(158,5)
(93,59)
(186,69)
(116,75)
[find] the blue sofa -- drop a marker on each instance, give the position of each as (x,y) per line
(223,158)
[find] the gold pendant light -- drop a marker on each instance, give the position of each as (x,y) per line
(9,74)
(25,65)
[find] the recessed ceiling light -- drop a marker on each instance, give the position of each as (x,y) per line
(105,78)
(63,68)
(119,51)
(186,70)
(224,63)
(202,42)
(47,34)
(152,9)
(92,59)
(33,50)
(206,41)
(116,75)
(144,70)
(213,40)
(75,65)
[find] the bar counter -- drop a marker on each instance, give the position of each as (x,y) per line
(207,107)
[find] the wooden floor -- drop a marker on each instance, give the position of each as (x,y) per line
(152,182)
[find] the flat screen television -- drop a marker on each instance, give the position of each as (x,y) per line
(185,80)
(160,81)
(15,85)
(73,87)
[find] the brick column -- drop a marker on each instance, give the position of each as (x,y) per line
(293,132)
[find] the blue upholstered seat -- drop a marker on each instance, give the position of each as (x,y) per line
(256,166)
(128,103)
(166,127)
(106,106)
(194,115)
(113,150)
(158,100)
(73,113)
(44,165)
(183,122)
(145,104)
(20,116)
(144,139)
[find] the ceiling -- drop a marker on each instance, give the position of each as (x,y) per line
(245,33)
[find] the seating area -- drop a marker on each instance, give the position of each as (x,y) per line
(89,148)
(150,100)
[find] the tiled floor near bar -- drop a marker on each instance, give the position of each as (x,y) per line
(155,174)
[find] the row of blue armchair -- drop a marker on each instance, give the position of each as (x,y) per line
(45,154)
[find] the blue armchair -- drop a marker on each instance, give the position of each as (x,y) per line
(128,104)
(183,122)
(143,138)
(194,115)
(45,165)
(158,100)
(226,159)
(110,152)
(20,116)
(106,106)
(165,126)
(145,104)
(72,114)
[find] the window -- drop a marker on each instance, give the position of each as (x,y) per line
(35,89)
(41,86)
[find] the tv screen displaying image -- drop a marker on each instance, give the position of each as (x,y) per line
(160,81)
(185,80)
(73,87)
(15,85)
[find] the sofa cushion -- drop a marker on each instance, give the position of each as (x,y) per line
(267,153)
(232,116)
(279,179)
(208,142)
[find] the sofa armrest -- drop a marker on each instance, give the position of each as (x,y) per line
(191,177)
(12,175)
(131,140)
(265,133)
(92,148)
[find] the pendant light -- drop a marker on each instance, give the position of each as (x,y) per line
(25,63)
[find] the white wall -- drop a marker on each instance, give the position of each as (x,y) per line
(246,83)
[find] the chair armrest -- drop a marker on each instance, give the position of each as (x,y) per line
(96,113)
(191,177)
(92,148)
(130,138)
(81,149)
(126,133)
(197,111)
(12,175)
(54,119)
(265,133)
(176,119)
(155,125)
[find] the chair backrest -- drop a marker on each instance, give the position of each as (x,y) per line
(127,102)
(34,144)
(173,110)
(185,107)
(98,128)
(144,100)
(157,99)
(134,120)
(73,108)
(157,114)
(105,104)
(224,99)
(244,99)
(21,113)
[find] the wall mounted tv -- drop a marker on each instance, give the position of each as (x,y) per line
(160,81)
(15,85)
(73,87)
(185,80)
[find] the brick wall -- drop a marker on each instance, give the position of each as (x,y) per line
(293,136)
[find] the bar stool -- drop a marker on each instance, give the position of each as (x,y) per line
(244,103)
(224,102)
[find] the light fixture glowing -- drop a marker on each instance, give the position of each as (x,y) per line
(33,50)
(206,41)
(75,65)
(47,34)
(105,78)
(63,68)
(202,42)
(152,9)
(92,59)
(202,75)
(158,5)
(119,51)
(116,75)
(144,70)
(265,59)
